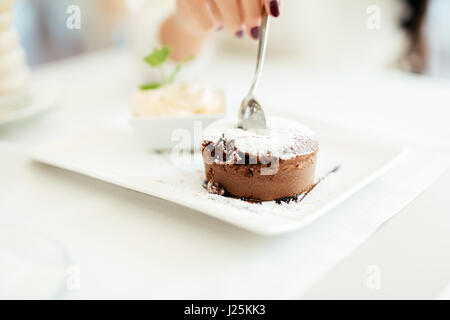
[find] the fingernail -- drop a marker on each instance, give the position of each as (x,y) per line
(255,33)
(219,28)
(240,33)
(275,8)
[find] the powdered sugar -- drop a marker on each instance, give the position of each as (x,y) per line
(284,139)
(269,208)
(214,188)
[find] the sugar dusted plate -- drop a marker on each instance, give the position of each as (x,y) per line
(348,160)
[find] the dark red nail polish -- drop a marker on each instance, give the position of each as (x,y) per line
(255,33)
(240,33)
(275,8)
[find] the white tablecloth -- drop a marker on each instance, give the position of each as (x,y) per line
(133,246)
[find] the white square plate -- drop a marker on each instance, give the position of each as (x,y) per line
(111,152)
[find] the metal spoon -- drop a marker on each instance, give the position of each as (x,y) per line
(251,114)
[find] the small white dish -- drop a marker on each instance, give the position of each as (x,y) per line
(167,132)
(175,115)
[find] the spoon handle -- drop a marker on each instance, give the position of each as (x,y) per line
(261,51)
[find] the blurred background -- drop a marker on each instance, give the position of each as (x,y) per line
(321,33)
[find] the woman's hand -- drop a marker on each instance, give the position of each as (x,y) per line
(238,16)
(187,30)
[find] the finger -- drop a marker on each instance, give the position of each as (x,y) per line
(273,7)
(231,15)
(216,13)
(185,16)
(198,11)
(252,10)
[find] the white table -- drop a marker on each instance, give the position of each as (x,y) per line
(105,228)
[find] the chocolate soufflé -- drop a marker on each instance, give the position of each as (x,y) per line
(265,165)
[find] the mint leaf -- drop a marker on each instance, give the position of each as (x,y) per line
(151,86)
(156,59)
(158,56)
(178,68)
(174,74)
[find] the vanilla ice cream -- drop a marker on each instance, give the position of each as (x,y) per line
(187,99)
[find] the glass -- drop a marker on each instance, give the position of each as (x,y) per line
(32,266)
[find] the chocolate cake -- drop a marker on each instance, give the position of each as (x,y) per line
(259,165)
